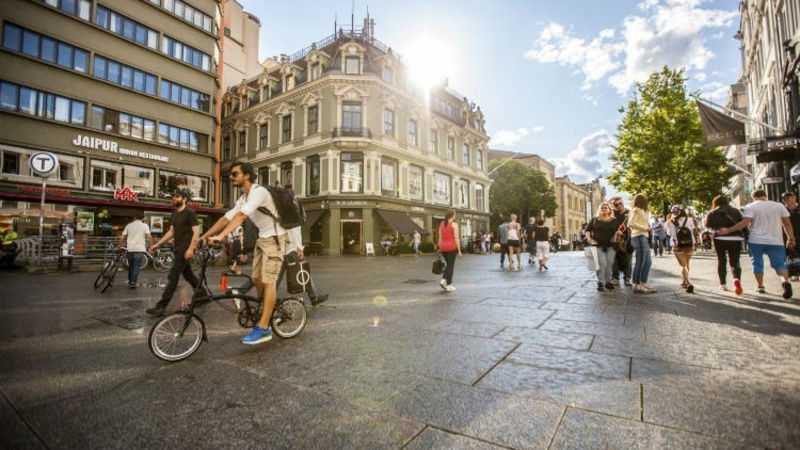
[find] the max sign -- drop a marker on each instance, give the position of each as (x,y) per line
(43,163)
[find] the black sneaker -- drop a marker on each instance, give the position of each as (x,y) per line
(610,286)
(787,290)
(628,282)
(600,287)
(689,289)
(156,310)
(761,290)
(319,299)
(131,285)
(545,266)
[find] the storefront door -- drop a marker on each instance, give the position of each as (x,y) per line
(351,237)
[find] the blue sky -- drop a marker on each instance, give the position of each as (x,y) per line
(548,75)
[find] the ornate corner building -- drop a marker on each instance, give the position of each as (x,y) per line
(370,154)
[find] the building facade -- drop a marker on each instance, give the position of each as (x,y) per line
(769,32)
(575,204)
(240,44)
(741,184)
(122,92)
(371,155)
(535,162)
(597,195)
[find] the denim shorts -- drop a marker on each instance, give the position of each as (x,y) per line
(776,254)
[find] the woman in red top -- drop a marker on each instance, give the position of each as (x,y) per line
(449,248)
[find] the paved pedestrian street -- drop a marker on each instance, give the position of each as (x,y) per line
(510,360)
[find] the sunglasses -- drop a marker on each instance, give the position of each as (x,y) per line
(235,174)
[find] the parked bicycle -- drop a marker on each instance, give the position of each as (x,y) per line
(178,335)
(109,270)
(162,260)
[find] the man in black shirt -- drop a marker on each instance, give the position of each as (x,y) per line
(529,238)
(185,229)
(624,256)
(790,201)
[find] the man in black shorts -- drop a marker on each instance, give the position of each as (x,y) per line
(530,240)
(185,228)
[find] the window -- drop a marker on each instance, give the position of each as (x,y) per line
(106,176)
(242,149)
(463,193)
(138,179)
(288,83)
(287,170)
(352,65)
(388,122)
(126,27)
(185,53)
(451,147)
(263,176)
(77,8)
(412,132)
(226,147)
(313,120)
(465,154)
(388,74)
(169,182)
(479,159)
(41,47)
(13,165)
(182,95)
(351,116)
(352,169)
(434,140)
(415,183)
(316,71)
(38,103)
(389,177)
(314,175)
(189,14)
(263,135)
(441,188)
(106,69)
(286,128)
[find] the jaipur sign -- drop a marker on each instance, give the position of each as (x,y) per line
(126,194)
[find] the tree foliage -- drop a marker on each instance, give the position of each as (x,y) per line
(521,190)
(661,151)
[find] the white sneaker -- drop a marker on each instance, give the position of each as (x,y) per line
(443,284)
(723,287)
(450,288)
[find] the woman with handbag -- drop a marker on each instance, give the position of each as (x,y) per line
(680,228)
(728,246)
(449,248)
(600,231)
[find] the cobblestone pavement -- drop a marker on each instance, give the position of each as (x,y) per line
(511,360)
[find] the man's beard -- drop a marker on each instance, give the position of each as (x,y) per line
(178,203)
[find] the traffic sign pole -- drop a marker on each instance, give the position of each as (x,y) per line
(41,221)
(43,164)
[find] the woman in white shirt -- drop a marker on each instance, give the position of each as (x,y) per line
(680,228)
(514,244)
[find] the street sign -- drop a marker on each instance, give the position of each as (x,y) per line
(771,180)
(43,163)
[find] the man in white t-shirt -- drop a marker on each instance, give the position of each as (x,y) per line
(135,236)
(768,221)
(270,246)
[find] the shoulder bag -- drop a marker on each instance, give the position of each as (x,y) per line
(438,264)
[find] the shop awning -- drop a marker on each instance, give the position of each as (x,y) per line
(399,221)
(312,217)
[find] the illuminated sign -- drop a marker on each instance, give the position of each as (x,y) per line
(110,146)
(126,194)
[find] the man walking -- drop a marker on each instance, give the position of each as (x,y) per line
(416,239)
(135,236)
(657,229)
(270,246)
(294,253)
(790,201)
(624,256)
(530,240)
(185,228)
(765,219)
(502,234)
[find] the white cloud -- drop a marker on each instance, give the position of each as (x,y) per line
(589,159)
(700,76)
(594,99)
(667,32)
(537,129)
(715,91)
(508,138)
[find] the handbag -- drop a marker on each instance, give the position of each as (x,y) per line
(438,264)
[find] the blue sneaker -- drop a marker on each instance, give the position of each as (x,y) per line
(257,336)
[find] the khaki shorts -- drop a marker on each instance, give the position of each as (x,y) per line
(267,259)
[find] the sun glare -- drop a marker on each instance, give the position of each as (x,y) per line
(429,60)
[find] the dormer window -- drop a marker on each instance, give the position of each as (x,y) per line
(352,65)
(288,83)
(316,71)
(388,74)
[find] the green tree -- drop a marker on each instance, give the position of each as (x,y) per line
(521,190)
(661,151)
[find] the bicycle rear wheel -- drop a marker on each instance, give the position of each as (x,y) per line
(176,337)
(162,263)
(98,281)
(289,318)
(111,272)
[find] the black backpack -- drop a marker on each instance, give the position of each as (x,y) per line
(291,214)
(684,235)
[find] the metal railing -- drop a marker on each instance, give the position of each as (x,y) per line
(352,132)
(341,34)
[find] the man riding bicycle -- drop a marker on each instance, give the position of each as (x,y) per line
(270,246)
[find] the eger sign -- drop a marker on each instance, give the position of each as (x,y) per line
(110,146)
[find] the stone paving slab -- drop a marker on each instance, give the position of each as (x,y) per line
(434,439)
(605,366)
(597,329)
(573,341)
(667,351)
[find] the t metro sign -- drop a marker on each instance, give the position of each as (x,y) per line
(43,163)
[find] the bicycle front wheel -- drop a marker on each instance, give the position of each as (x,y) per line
(176,337)
(289,318)
(110,273)
(102,274)
(162,263)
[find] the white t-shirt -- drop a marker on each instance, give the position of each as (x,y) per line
(136,233)
(672,229)
(248,205)
(766,227)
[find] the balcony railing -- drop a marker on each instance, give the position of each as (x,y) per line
(352,132)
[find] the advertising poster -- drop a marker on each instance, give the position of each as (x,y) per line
(156,224)
(85,221)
